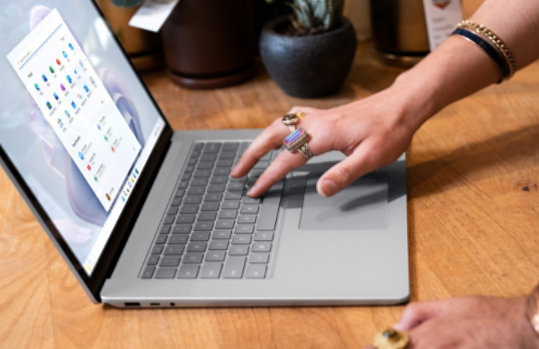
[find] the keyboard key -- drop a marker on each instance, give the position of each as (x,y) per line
(216,256)
(169,219)
(244,229)
(219,180)
(196,246)
(174,249)
(200,236)
(198,146)
(261,164)
(234,268)
(176,201)
(235,204)
(211,270)
(264,236)
(161,239)
(249,208)
(255,271)
(224,224)
(170,261)
(247,219)
(185,218)
(203,226)
(233,195)
(225,163)
(182,229)
(222,234)
(173,210)
(165,229)
(227,155)
(148,272)
(188,271)
(250,200)
(209,206)
(192,199)
(235,186)
(218,245)
(214,197)
(241,239)
(207,216)
(262,246)
(211,147)
(219,188)
(202,173)
(165,273)
(208,157)
(193,258)
(180,192)
(196,191)
(153,259)
(157,249)
(222,171)
(178,239)
(238,250)
(259,258)
(228,214)
(188,209)
(230,146)
(205,166)
(199,182)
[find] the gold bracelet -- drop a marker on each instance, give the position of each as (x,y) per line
(532,309)
(495,40)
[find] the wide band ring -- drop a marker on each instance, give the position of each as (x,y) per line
(297,141)
(291,119)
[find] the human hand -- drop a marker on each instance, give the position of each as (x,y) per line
(470,322)
(371,132)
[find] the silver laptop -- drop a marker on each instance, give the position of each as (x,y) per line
(148,217)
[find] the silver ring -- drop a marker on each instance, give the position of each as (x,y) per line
(305,150)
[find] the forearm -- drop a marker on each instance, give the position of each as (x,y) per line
(459,67)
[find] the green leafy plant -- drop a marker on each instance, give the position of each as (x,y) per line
(316,16)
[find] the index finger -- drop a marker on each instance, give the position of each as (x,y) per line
(270,138)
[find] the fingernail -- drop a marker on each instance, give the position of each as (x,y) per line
(326,187)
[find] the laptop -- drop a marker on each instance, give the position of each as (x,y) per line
(149,217)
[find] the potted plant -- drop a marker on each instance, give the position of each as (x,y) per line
(309,54)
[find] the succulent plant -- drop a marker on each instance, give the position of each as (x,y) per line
(316,16)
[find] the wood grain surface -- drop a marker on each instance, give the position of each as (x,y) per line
(473,210)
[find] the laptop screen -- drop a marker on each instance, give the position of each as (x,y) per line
(75,121)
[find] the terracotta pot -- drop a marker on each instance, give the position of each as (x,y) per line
(308,66)
(210,43)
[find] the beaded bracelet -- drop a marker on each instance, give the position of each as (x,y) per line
(491,44)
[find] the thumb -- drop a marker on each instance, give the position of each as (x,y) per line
(345,172)
(416,313)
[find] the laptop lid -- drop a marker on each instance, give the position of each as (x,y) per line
(80,136)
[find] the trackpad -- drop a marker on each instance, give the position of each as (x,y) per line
(361,205)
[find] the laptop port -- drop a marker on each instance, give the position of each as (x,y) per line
(132,304)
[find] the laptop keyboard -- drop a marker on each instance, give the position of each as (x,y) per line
(212,229)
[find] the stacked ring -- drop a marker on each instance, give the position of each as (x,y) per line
(298,138)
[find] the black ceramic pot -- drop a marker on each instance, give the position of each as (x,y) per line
(308,66)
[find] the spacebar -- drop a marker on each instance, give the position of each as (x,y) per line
(270,207)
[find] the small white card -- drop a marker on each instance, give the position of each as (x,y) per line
(152,14)
(441,17)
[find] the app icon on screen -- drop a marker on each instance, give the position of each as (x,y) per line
(50,69)
(37,86)
(69,78)
(49,105)
(44,77)
(73,105)
(81,155)
(60,123)
(64,53)
(55,95)
(86,89)
(67,113)
(58,61)
(62,87)
(89,167)
(71,46)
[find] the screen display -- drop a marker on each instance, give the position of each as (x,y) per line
(75,120)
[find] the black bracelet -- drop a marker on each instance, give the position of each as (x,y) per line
(496,56)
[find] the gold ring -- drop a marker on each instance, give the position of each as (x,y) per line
(291,119)
(391,339)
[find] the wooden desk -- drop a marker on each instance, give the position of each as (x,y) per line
(473,210)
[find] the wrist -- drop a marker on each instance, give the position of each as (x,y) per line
(532,309)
